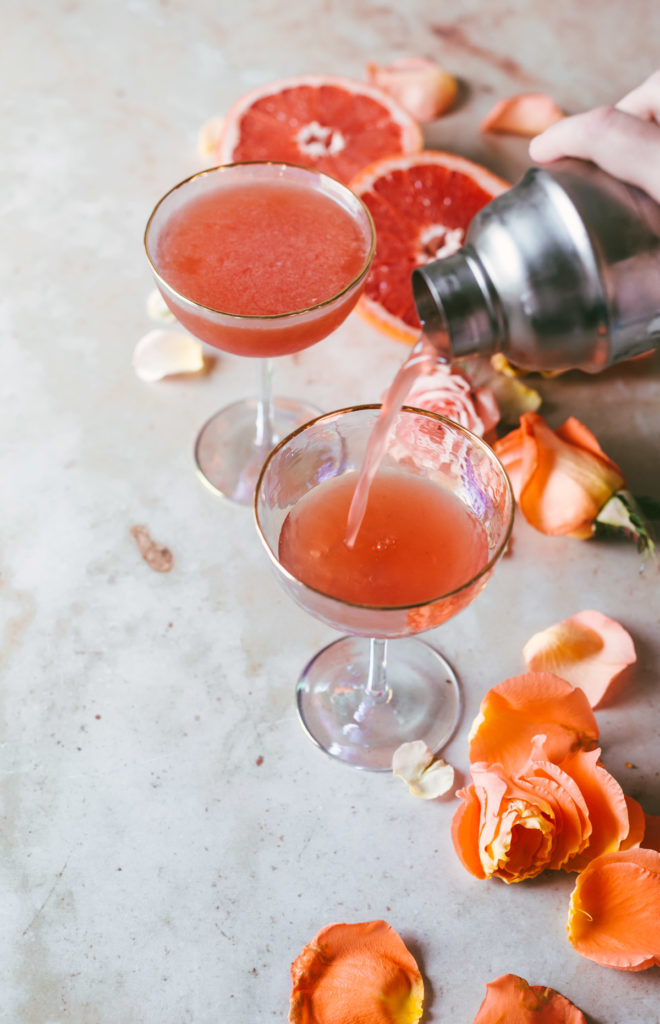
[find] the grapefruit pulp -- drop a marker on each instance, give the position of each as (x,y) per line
(421,204)
(334,124)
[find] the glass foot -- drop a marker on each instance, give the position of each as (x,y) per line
(227,454)
(422,701)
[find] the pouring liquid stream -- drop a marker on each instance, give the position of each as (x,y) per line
(421,360)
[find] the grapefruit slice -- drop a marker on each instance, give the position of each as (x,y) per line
(332,123)
(422,204)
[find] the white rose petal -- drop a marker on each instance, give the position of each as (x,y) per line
(157,308)
(410,760)
(209,136)
(162,353)
(435,781)
(413,762)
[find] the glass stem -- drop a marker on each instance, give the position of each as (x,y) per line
(377,690)
(265,430)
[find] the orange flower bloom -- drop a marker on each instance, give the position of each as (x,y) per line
(356,972)
(539,798)
(548,817)
(613,916)
(512,999)
(561,478)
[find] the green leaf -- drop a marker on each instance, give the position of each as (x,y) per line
(629,516)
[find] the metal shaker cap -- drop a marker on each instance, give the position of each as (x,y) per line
(455,305)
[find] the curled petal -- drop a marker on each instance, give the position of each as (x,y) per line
(426,778)
(523,707)
(435,781)
(510,998)
(561,478)
(528,113)
(589,650)
(161,353)
(356,972)
(422,88)
(410,760)
(613,914)
(616,820)
(465,829)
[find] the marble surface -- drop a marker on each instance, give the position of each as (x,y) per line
(170,838)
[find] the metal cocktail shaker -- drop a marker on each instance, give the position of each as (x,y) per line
(560,272)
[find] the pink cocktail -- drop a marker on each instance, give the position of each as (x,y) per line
(261,260)
(438,515)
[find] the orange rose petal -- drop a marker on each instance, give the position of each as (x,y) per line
(573,431)
(575,829)
(561,478)
(589,650)
(511,999)
(608,807)
(570,483)
(613,916)
(524,706)
(509,450)
(651,840)
(354,973)
(638,826)
(528,113)
(465,827)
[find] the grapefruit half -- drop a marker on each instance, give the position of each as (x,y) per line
(422,204)
(332,123)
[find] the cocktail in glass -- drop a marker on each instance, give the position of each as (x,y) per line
(438,517)
(261,260)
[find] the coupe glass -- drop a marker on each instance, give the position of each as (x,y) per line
(232,445)
(380,686)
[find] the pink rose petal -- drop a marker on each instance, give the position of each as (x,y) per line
(422,88)
(525,114)
(589,650)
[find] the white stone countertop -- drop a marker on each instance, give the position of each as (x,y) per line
(170,839)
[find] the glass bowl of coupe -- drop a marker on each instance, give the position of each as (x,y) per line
(257,259)
(435,519)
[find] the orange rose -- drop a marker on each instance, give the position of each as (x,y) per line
(561,478)
(548,817)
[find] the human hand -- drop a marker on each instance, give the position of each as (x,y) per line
(623,140)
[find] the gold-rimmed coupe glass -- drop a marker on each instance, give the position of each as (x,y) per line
(233,443)
(378,685)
